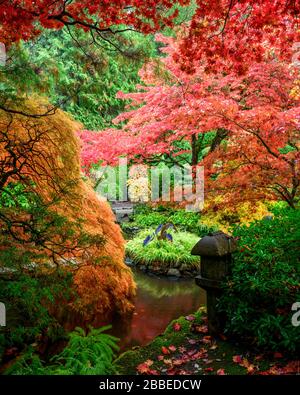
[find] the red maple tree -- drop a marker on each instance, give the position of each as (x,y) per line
(232,33)
(24,19)
(254,151)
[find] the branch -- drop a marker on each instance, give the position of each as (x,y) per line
(51,111)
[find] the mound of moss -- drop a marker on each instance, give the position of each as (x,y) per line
(181,342)
(172,258)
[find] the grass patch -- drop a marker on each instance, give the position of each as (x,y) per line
(164,252)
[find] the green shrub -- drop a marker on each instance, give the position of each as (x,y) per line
(151,219)
(186,220)
(27,300)
(265,282)
(164,252)
(146,217)
(30,229)
(86,354)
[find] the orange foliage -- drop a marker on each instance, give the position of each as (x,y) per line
(103,281)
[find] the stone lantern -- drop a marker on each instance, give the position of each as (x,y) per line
(215,251)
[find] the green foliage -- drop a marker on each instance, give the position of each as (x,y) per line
(76,74)
(265,282)
(18,76)
(164,252)
(34,238)
(185,220)
(149,220)
(89,353)
(83,78)
(146,217)
(14,195)
(27,300)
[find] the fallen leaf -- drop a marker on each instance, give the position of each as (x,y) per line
(149,362)
(191,352)
(165,350)
(206,339)
(292,367)
(171,371)
(178,362)
(272,371)
(244,363)
(183,372)
(237,359)
(144,367)
(251,369)
(199,328)
(190,318)
(199,355)
(176,327)
(153,372)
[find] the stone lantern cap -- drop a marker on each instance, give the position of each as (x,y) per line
(215,244)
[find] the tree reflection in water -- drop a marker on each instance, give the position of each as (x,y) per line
(159,300)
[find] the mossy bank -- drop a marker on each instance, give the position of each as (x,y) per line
(186,348)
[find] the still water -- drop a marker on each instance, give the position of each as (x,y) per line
(159,300)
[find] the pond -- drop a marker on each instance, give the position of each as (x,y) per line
(159,300)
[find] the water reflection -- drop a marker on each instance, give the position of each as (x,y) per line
(158,301)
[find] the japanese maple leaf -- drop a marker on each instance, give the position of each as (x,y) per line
(165,350)
(190,318)
(144,368)
(206,339)
(199,328)
(176,327)
(237,359)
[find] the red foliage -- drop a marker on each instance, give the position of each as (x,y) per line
(23,19)
(259,111)
(235,33)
